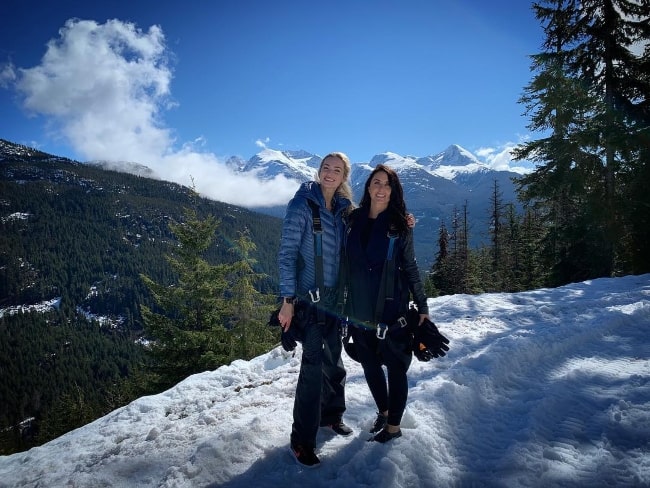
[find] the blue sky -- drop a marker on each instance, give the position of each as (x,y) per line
(217,79)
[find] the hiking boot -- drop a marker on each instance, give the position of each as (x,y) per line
(380,423)
(339,428)
(385,436)
(305,456)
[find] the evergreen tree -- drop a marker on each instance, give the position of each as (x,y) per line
(511,271)
(610,68)
(533,273)
(497,239)
(634,177)
(248,308)
(439,281)
(188,333)
(72,410)
(455,267)
(459,262)
(587,94)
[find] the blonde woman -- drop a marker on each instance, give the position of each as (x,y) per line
(320,391)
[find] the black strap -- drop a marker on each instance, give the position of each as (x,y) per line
(317,229)
(344,273)
(387,282)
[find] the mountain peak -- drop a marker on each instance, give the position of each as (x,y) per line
(456,155)
(392,159)
(270,163)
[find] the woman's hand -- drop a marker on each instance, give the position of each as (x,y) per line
(410,220)
(285,315)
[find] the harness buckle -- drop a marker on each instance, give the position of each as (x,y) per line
(402,322)
(314,298)
(381,330)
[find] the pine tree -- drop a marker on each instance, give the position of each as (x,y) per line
(497,239)
(187,331)
(533,272)
(248,308)
(439,282)
(511,269)
(589,92)
(459,261)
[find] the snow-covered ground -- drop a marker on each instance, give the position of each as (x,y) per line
(547,388)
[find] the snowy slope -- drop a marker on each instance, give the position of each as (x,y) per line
(547,388)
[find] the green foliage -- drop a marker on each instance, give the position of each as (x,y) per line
(188,335)
(85,235)
(591,94)
(212,314)
(71,410)
(511,262)
(248,308)
(49,362)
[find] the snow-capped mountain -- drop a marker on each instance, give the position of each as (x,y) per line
(294,165)
(423,177)
(447,175)
(434,186)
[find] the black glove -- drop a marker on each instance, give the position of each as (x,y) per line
(289,339)
(274,319)
(428,342)
(421,352)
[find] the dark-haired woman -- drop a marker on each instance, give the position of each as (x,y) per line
(377,311)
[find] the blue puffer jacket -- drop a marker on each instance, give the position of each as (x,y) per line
(296,255)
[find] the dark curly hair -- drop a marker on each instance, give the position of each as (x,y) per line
(396,205)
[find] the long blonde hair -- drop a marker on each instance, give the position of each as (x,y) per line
(344,190)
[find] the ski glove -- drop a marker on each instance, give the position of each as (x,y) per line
(289,339)
(428,342)
(296,332)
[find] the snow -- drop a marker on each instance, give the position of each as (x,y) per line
(450,172)
(44,306)
(15,216)
(546,388)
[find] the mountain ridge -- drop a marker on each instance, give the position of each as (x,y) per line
(435,186)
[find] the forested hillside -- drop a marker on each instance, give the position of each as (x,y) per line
(74,242)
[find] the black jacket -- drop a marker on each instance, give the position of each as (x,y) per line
(363,269)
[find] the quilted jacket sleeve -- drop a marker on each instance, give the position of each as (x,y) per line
(293,227)
(412,273)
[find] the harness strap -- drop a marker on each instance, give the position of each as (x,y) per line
(317,229)
(386,288)
(387,281)
(380,328)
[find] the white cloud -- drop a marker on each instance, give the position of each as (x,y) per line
(104,88)
(500,158)
(262,142)
(213,179)
(7,75)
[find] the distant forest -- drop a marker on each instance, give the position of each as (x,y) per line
(87,235)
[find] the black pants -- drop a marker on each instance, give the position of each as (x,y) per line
(320,392)
(395,353)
